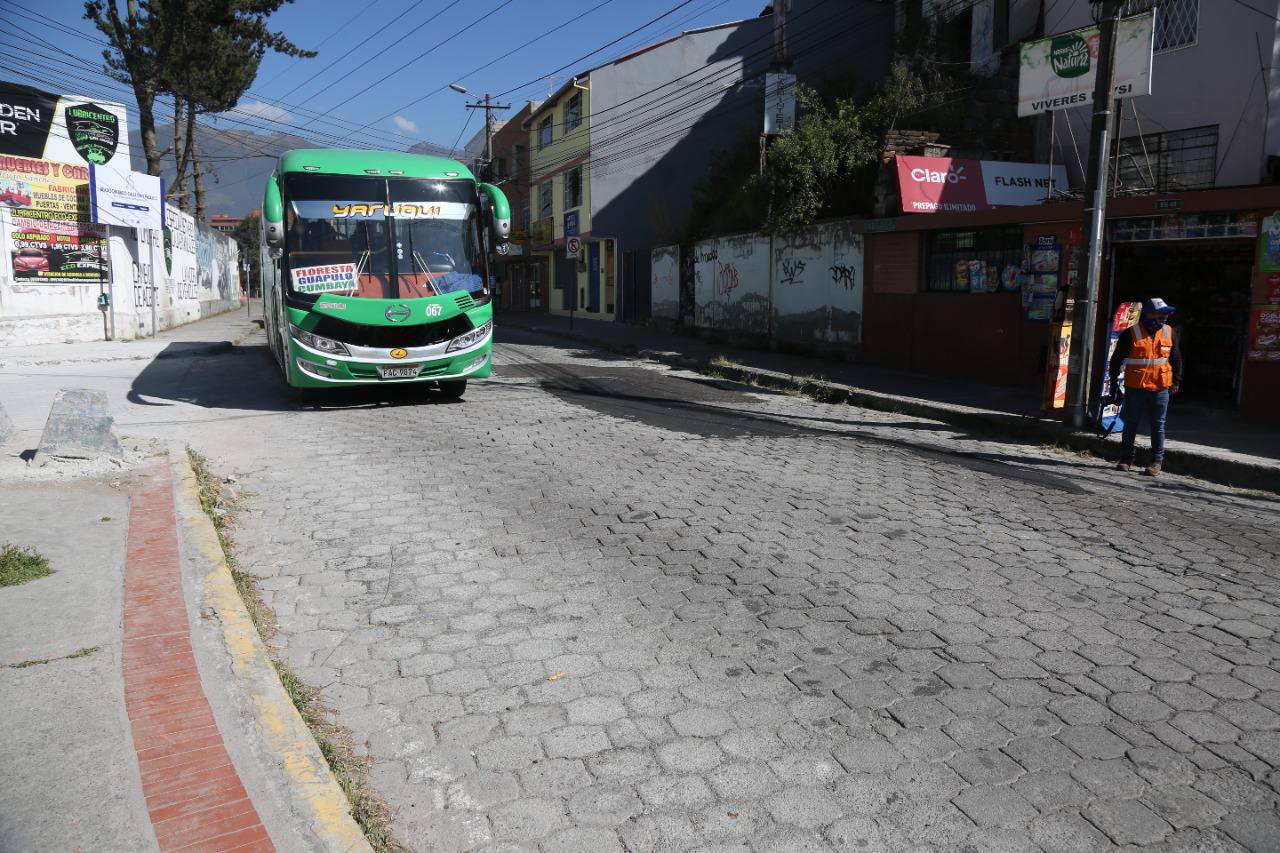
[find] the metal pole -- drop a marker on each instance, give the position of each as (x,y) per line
(488,137)
(1053,126)
(1085,315)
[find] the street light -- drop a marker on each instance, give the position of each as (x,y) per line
(461,90)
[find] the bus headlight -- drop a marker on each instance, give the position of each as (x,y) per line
(316,342)
(471,338)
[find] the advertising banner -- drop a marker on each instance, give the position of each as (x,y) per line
(50,251)
(125,198)
(44,126)
(951,185)
(1059,72)
(45,189)
(1264,337)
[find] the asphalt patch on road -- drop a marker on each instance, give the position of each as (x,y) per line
(679,405)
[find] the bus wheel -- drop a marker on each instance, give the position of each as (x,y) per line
(453,389)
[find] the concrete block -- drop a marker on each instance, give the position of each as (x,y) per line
(6,425)
(80,426)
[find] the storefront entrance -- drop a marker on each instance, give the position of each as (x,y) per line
(1208,282)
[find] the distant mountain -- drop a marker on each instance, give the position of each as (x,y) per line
(240,161)
(237,163)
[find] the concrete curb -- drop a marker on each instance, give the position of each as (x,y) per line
(1228,472)
(313,791)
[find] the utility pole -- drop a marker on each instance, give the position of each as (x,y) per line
(488,106)
(1085,313)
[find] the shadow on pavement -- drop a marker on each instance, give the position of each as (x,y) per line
(246,378)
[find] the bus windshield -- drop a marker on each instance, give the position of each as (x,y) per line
(397,238)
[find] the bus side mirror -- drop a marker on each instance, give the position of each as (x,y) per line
(499,217)
(273,214)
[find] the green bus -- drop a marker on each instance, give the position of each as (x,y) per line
(375,268)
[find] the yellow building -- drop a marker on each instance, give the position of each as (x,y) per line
(560,204)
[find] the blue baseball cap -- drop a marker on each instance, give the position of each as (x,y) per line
(1156,305)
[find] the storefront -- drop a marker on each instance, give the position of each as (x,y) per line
(1203,266)
(979,295)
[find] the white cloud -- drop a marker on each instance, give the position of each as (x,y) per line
(258,109)
(406,125)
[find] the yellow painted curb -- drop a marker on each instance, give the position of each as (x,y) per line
(313,791)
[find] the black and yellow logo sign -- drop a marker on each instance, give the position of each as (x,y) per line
(399,353)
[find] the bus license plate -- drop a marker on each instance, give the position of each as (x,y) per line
(400,371)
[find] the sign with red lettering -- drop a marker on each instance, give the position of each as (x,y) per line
(1264,340)
(951,185)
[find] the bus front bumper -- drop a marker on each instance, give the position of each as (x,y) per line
(309,368)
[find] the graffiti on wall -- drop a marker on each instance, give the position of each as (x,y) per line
(731,283)
(816,295)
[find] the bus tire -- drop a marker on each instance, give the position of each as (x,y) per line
(453,389)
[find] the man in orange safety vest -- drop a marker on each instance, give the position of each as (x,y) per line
(1152,363)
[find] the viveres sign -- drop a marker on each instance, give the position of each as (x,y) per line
(1059,72)
(44,126)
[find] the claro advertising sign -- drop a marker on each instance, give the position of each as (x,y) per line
(1059,72)
(951,185)
(44,126)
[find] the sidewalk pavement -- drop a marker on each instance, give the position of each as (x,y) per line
(141,712)
(210,335)
(1212,444)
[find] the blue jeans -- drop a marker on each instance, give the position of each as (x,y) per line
(1140,403)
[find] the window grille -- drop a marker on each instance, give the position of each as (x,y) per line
(1177,21)
(953,251)
(1166,162)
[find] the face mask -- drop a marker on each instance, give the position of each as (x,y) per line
(1153,324)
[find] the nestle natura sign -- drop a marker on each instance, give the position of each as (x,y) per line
(951,185)
(1059,72)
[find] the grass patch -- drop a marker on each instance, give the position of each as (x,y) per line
(19,565)
(351,771)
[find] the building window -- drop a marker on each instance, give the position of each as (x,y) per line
(518,161)
(522,214)
(573,188)
(1177,24)
(573,113)
(953,256)
(1165,162)
(501,171)
(544,133)
(545,209)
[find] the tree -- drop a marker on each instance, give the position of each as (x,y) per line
(202,53)
(827,165)
(247,235)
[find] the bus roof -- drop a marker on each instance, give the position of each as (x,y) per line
(355,161)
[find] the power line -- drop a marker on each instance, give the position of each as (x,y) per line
(494,61)
(230,115)
(429,50)
(586,56)
(342,28)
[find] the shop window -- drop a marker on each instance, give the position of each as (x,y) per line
(545,209)
(544,133)
(573,188)
(952,255)
(573,113)
(1166,162)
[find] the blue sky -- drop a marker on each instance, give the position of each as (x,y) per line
(331,98)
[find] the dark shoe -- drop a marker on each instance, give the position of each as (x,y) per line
(1124,465)
(1153,470)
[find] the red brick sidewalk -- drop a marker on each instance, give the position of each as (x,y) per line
(194,795)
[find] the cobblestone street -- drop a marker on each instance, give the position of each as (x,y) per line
(602,605)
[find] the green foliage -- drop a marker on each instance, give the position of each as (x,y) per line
(248,236)
(827,166)
(19,565)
